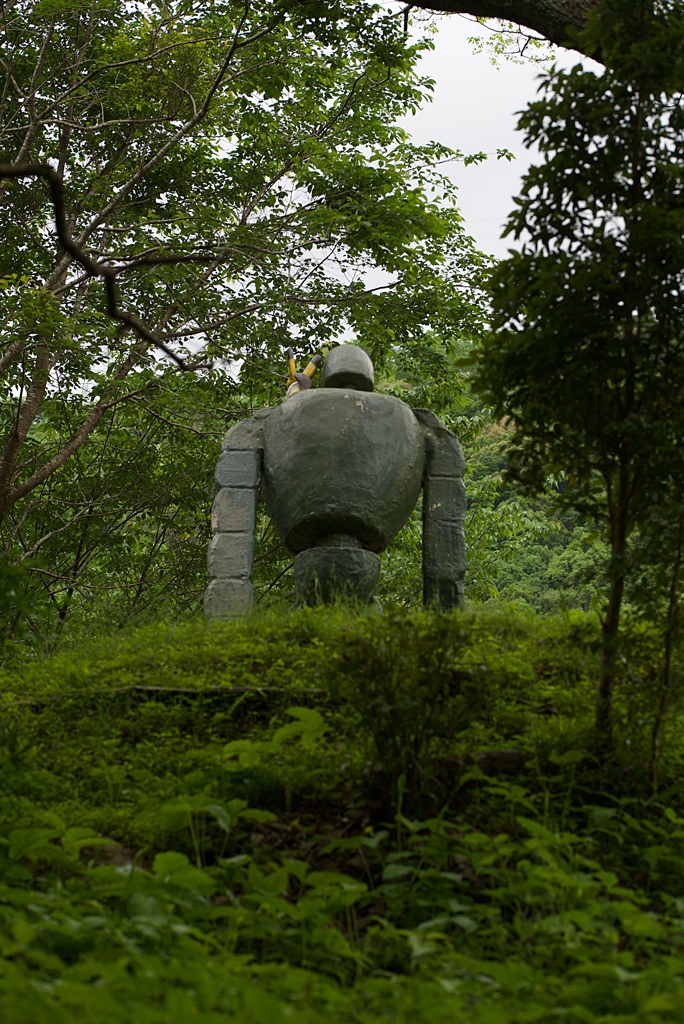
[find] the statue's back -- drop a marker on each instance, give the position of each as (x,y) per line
(341,462)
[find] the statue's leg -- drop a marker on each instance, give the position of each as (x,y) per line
(333,571)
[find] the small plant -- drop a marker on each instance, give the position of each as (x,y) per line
(194,812)
(407,688)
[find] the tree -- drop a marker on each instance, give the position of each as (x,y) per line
(587,356)
(234,171)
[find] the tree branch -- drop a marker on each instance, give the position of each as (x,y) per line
(108,274)
(550,18)
(185,128)
(88,425)
(12,353)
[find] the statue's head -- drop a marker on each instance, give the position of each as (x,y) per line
(348,366)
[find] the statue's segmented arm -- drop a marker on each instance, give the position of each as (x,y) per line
(233,520)
(444,508)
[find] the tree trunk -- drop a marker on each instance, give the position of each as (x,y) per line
(619,508)
(550,18)
(604,693)
(27,411)
(671,626)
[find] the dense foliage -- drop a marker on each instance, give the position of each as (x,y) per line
(242,170)
(230,824)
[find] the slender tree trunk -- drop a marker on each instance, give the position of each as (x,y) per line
(670,630)
(619,520)
(609,651)
(27,411)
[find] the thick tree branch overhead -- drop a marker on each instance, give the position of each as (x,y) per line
(556,20)
(91,266)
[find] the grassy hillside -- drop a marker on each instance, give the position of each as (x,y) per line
(323,816)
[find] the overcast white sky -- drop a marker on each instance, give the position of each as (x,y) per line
(474,109)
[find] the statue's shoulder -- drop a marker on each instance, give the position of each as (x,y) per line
(444,449)
(248,433)
(427,418)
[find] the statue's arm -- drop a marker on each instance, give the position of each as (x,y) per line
(233,520)
(444,508)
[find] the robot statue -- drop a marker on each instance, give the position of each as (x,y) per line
(340,469)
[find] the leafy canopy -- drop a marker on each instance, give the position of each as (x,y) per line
(242,168)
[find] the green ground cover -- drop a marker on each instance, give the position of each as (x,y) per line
(329,816)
